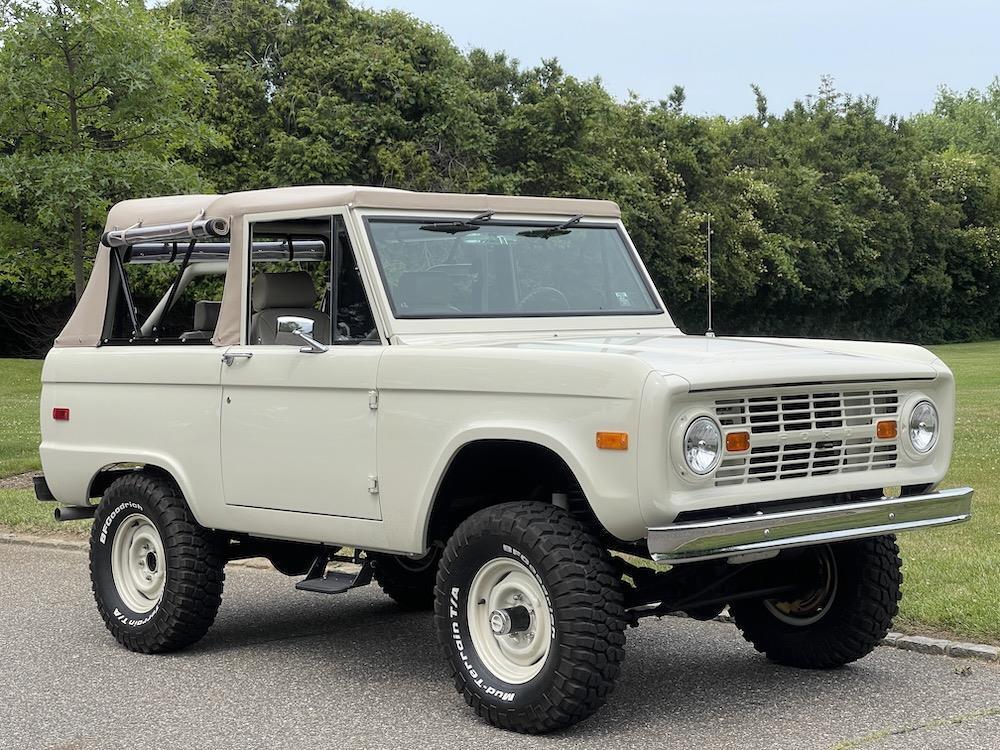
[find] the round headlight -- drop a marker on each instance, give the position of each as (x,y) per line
(702,445)
(923,427)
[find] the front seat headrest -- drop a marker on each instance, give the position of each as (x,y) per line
(291,289)
(206,315)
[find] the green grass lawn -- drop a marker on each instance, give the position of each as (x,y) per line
(952,575)
(19,386)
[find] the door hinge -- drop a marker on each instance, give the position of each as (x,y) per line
(373,484)
(372,400)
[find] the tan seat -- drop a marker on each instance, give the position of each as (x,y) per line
(206,316)
(282,303)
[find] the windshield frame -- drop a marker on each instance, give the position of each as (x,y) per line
(429,218)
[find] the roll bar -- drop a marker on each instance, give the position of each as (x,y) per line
(169,252)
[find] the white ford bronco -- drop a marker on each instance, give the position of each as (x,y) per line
(481,403)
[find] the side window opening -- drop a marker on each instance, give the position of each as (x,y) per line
(303,276)
(165,293)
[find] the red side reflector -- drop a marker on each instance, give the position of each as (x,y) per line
(60,414)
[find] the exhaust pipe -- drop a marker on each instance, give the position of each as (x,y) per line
(74,512)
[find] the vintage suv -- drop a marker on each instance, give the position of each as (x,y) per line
(484,399)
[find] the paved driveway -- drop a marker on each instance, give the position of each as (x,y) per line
(288,669)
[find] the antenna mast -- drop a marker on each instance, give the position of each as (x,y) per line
(710,332)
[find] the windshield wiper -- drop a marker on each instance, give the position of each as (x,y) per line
(454,227)
(553,231)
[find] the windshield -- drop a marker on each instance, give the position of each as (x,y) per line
(481,268)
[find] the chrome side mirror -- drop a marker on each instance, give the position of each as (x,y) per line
(312,345)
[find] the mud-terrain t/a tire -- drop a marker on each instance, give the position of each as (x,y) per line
(157,575)
(408,582)
(534,556)
(868,576)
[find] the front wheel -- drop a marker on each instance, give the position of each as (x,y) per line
(157,575)
(842,613)
(529,611)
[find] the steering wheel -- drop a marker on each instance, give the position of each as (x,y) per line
(553,295)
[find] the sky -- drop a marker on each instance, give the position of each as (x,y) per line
(899,52)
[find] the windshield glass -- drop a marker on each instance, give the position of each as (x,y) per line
(481,268)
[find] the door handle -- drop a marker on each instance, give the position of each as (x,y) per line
(230,357)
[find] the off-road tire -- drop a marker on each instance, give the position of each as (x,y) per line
(194,560)
(409,583)
(869,575)
(586,609)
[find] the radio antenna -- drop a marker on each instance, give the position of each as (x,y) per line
(710,332)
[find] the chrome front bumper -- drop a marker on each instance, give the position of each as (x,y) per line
(765,532)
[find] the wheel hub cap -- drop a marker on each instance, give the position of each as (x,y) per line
(137,563)
(509,620)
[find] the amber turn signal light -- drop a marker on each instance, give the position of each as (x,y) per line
(886,429)
(612,441)
(737,442)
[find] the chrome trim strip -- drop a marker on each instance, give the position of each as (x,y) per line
(727,537)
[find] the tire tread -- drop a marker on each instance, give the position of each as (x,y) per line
(196,564)
(586,595)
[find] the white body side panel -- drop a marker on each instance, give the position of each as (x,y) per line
(298,433)
(148,405)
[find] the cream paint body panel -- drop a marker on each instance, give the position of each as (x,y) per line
(298,433)
(434,401)
(145,404)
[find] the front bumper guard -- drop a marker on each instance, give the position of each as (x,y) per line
(771,532)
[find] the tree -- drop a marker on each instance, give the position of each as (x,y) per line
(239,42)
(373,99)
(98,100)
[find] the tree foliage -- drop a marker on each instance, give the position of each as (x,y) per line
(98,98)
(828,219)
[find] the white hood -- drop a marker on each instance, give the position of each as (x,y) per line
(708,363)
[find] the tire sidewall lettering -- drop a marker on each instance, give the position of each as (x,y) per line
(102,566)
(478,676)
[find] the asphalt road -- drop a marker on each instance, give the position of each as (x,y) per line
(287,669)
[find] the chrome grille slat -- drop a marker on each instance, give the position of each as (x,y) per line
(842,415)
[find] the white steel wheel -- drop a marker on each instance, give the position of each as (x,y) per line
(515,651)
(138,565)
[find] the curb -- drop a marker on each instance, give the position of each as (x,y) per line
(920,644)
(78,545)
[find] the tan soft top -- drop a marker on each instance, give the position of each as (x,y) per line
(86,325)
(180,208)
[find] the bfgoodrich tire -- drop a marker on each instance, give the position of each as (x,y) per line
(532,568)
(840,619)
(157,575)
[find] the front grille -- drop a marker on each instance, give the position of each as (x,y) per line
(766,463)
(846,419)
(806,410)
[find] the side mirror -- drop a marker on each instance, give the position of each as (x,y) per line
(312,345)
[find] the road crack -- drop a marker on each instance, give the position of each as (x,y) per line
(932,724)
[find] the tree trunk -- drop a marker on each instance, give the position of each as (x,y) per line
(74,135)
(78,275)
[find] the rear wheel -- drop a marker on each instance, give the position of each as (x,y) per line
(156,574)
(529,611)
(841,615)
(409,581)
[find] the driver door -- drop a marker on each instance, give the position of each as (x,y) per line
(298,428)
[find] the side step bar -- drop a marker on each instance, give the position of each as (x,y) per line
(319,581)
